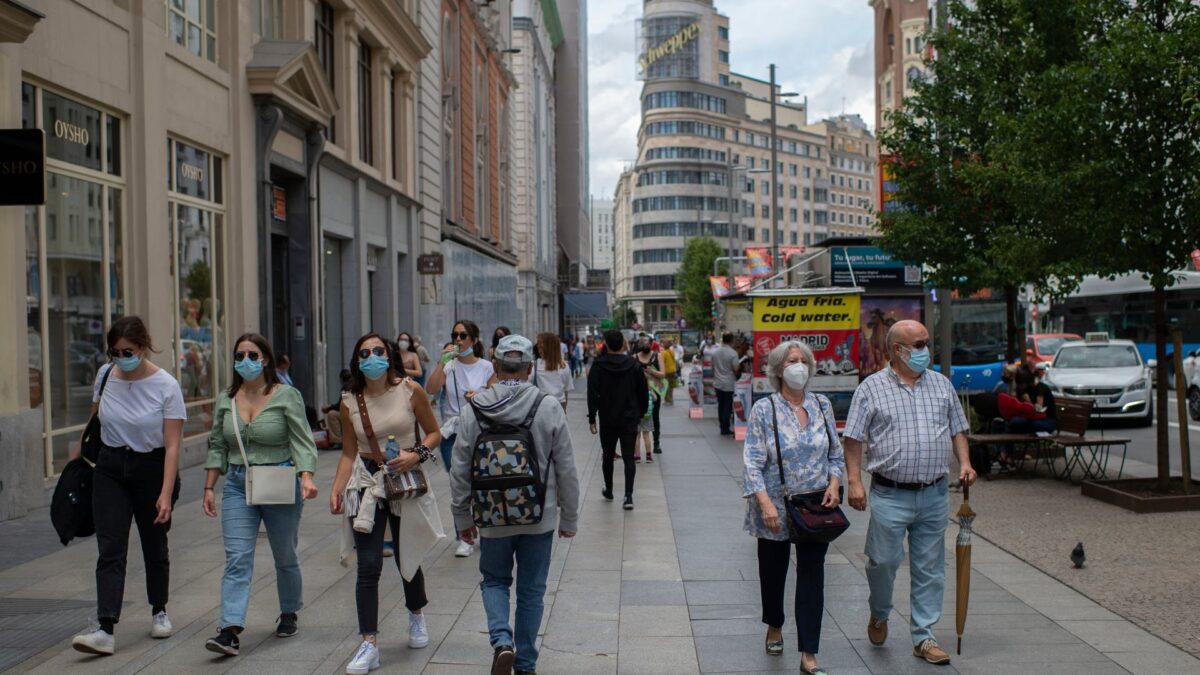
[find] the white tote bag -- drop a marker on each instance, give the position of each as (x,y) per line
(264,484)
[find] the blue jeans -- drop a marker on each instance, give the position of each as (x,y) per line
(239,525)
(447,449)
(923,515)
(532,554)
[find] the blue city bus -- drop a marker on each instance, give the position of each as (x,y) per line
(1124,308)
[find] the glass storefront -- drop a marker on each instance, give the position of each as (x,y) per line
(73,262)
(195,216)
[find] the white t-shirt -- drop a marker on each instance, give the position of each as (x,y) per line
(461,378)
(132,411)
(677,350)
(554,383)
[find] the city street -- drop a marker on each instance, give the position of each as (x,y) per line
(1143,443)
(668,588)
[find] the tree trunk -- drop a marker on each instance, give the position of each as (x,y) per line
(1162,438)
(1011,351)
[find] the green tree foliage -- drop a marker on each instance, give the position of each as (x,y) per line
(623,315)
(691,281)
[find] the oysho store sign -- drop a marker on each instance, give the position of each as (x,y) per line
(22,167)
(671,45)
(72,131)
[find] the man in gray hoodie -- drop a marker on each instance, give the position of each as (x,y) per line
(510,402)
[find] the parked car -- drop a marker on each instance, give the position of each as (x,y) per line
(1193,395)
(1045,345)
(1109,372)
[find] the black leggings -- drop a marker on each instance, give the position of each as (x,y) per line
(627,437)
(369,547)
(810,587)
(656,404)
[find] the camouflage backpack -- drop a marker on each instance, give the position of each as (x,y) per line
(507,485)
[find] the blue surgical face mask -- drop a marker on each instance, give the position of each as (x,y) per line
(248,369)
(918,360)
(128,364)
(373,366)
(466,352)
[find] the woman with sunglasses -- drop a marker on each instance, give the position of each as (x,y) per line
(501,331)
(396,407)
(462,371)
(136,478)
(269,416)
(407,359)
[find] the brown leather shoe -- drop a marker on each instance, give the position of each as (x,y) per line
(877,631)
(931,652)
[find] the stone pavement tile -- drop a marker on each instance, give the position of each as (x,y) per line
(447,669)
(650,570)
(655,621)
(590,580)
(733,653)
(1116,636)
(755,626)
(896,658)
(991,667)
(699,569)
(582,636)
(659,551)
(842,575)
(1157,663)
(731,611)
(595,558)
(552,661)
(652,593)
(277,667)
(1040,655)
(474,619)
(722,592)
(448,600)
(464,648)
(657,656)
(603,606)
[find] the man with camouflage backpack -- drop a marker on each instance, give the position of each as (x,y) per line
(512,482)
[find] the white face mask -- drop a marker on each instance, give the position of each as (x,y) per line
(796,375)
(403,345)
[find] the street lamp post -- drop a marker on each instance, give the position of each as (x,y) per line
(775,173)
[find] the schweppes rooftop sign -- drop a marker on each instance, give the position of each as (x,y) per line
(669,46)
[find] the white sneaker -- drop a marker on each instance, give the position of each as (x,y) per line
(418,636)
(463,550)
(161,627)
(95,642)
(365,659)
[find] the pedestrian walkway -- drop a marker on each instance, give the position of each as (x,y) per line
(670,587)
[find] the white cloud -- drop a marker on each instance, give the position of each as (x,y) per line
(822,49)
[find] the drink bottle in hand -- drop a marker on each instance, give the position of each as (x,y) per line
(391,451)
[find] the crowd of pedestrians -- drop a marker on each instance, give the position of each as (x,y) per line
(494,417)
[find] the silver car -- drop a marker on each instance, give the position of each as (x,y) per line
(1109,372)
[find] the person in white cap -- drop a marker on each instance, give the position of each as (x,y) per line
(513,424)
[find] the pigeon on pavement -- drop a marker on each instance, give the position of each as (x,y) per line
(1077,556)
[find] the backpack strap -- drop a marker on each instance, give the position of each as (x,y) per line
(104,383)
(528,421)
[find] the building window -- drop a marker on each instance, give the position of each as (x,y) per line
(723,56)
(323,41)
(793,191)
(750,234)
(723,32)
(807,194)
(683,99)
(766,237)
(685,128)
(365,127)
(268,19)
(807,216)
(766,187)
(195,217)
(394,121)
(913,75)
(193,25)
(74,263)
(791,169)
(724,80)
(677,152)
(765,211)
(792,215)
(793,238)
(654,282)
(808,172)
(503,175)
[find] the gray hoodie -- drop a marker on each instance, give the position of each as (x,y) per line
(510,404)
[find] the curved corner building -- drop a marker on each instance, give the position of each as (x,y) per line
(704,161)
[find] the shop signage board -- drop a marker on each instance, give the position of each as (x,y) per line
(430,263)
(22,167)
(871,268)
(827,320)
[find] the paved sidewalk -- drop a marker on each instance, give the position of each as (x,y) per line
(668,588)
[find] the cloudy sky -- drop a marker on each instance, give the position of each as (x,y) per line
(821,48)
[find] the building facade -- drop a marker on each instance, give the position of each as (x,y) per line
(900,27)
(602,234)
(571,133)
(537,33)
(704,162)
(622,215)
(853,165)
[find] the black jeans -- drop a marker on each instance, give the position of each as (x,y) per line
(370,565)
(810,587)
(655,405)
(725,411)
(626,435)
(126,487)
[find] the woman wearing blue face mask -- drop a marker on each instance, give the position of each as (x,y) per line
(394,409)
(136,478)
(269,416)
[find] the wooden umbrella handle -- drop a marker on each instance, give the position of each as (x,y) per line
(966,492)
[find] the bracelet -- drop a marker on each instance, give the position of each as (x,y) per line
(207,488)
(425,453)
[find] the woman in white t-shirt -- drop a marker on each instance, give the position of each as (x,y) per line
(136,479)
(462,372)
(550,374)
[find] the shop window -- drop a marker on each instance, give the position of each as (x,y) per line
(323,42)
(195,218)
(192,24)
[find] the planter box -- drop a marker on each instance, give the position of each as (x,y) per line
(1130,493)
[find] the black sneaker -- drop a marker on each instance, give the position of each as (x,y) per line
(287,625)
(628,505)
(607,494)
(502,660)
(225,643)
(658,451)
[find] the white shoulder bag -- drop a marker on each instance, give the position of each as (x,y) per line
(264,484)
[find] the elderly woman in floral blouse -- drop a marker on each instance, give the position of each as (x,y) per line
(795,430)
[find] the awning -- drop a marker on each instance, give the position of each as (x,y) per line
(586,305)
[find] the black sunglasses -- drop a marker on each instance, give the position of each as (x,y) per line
(459,336)
(919,344)
(377,351)
(114,353)
(253,356)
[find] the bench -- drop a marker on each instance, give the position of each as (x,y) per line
(1070,442)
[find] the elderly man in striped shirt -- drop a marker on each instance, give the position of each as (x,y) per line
(911,420)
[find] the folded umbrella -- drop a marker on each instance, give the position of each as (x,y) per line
(962,560)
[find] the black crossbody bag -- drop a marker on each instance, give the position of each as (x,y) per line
(809,521)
